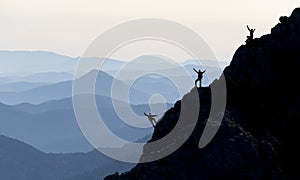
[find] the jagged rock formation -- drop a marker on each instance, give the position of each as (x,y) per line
(257,137)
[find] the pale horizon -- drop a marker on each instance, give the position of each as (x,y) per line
(68,27)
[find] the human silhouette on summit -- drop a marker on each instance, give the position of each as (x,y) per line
(200,76)
(151,118)
(250,38)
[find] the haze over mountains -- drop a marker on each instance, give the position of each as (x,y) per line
(36,91)
(27,62)
(36,108)
(43,80)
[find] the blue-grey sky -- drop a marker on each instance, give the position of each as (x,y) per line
(69,26)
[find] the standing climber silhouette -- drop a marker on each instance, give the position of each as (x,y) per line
(151,118)
(200,76)
(250,38)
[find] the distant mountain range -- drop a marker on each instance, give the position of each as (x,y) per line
(45,77)
(24,63)
(36,77)
(52,127)
(62,90)
(20,86)
(31,62)
(23,162)
(36,89)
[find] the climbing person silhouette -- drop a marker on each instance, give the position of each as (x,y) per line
(249,38)
(151,118)
(200,76)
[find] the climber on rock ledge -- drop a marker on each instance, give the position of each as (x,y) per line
(200,76)
(250,37)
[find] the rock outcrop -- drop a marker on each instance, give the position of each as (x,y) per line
(258,135)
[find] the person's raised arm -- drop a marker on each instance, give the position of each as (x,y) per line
(195,70)
(248,28)
(145,114)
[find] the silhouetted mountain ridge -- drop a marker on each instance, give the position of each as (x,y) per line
(256,139)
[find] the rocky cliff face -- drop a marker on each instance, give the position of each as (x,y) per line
(258,135)
(263,86)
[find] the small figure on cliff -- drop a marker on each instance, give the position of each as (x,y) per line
(200,76)
(250,38)
(151,118)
